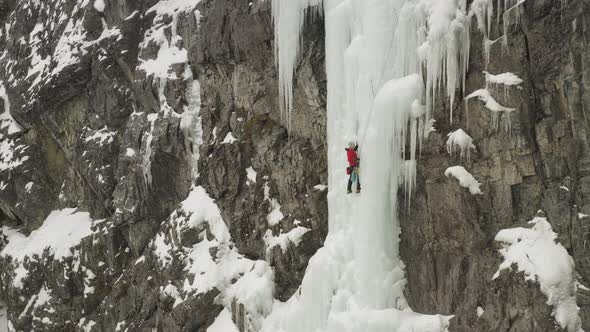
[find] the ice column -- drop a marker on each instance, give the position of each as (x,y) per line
(289,17)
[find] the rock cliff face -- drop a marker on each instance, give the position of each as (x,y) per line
(122,109)
(161,119)
(541,163)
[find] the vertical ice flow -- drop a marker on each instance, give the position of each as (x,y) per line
(289,26)
(376,51)
(387,62)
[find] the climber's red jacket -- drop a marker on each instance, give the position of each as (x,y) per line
(353,159)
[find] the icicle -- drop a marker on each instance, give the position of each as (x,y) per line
(514,8)
(495,108)
(459,139)
(289,18)
(444,53)
(375,53)
(482,10)
(506,80)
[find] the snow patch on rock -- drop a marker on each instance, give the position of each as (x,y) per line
(479,311)
(229,139)
(61,230)
(251,175)
(283,240)
(466,180)
(11,154)
(459,140)
(489,101)
(502,79)
(536,253)
(274,215)
(6,119)
(320,187)
(129,152)
(223,323)
(492,105)
(213,261)
(99,5)
(102,136)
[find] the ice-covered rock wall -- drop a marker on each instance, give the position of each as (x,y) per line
(193,173)
(449,43)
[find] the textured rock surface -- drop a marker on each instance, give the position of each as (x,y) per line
(102,134)
(106,135)
(541,164)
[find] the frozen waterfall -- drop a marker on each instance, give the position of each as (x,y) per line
(377,95)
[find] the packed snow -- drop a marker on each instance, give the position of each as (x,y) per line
(466,180)
(274,215)
(6,119)
(283,240)
(254,287)
(61,231)
(167,56)
(69,48)
(43,297)
(229,139)
(497,111)
(504,81)
(39,63)
(251,175)
(11,154)
(99,5)
(169,51)
(508,79)
(48,57)
(489,101)
(536,252)
(223,323)
(459,140)
(171,54)
(102,136)
(171,291)
(173,7)
(129,152)
(255,291)
(479,311)
(86,325)
(320,187)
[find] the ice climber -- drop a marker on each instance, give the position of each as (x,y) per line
(353,169)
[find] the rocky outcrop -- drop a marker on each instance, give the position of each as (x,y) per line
(130,110)
(240,96)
